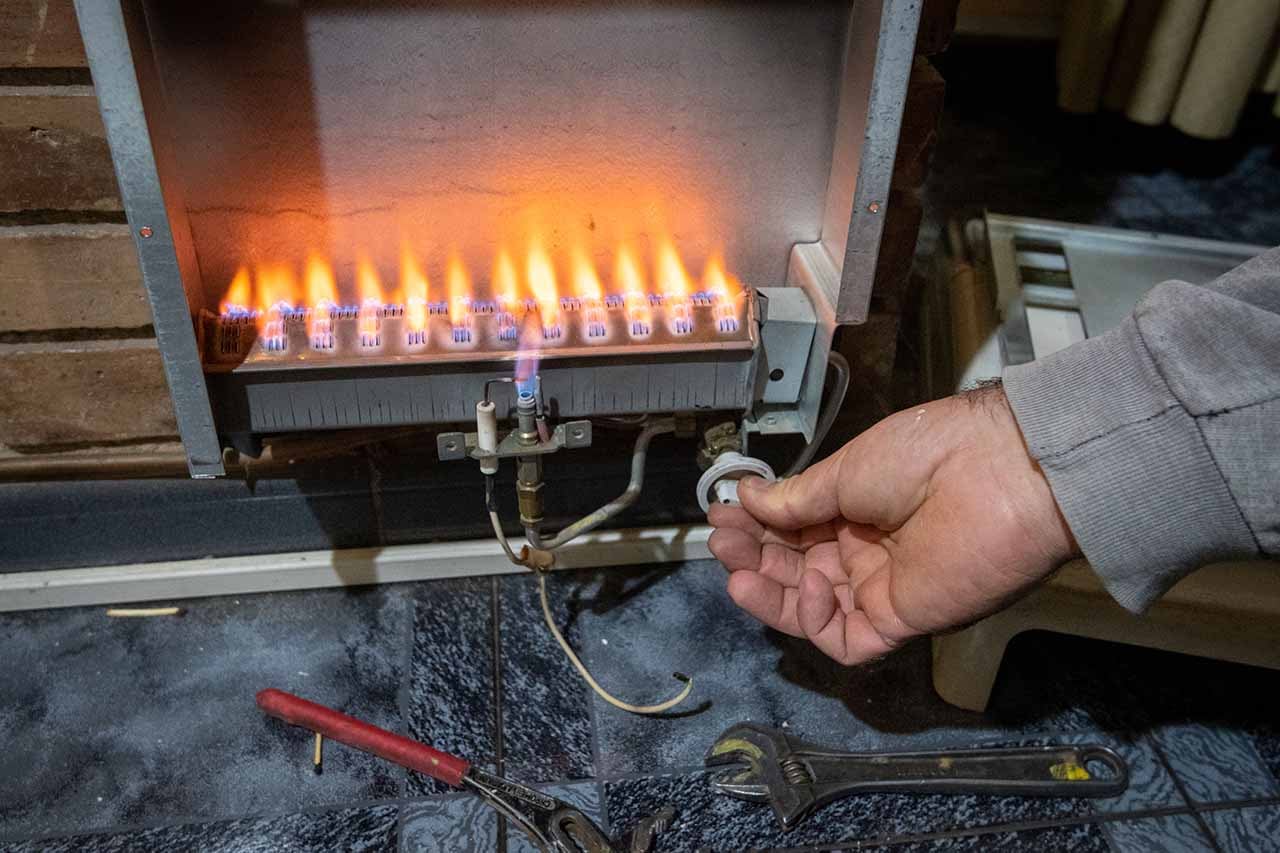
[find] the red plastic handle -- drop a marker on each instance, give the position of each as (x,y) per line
(336,725)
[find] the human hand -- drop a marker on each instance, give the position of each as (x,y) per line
(931,519)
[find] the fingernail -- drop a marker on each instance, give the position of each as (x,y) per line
(751,483)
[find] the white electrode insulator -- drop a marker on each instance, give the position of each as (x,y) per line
(487,435)
(719,483)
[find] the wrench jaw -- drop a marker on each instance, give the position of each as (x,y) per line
(766,777)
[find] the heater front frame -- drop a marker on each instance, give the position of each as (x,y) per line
(837,272)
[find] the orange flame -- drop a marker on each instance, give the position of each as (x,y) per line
(275,284)
(716,281)
(368,284)
(273,287)
(321,288)
(506,284)
(239,295)
(673,281)
(413,284)
(458,283)
(627,275)
(542,282)
(586,283)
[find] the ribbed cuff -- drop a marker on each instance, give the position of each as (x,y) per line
(1127,465)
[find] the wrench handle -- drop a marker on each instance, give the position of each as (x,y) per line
(360,735)
(1047,771)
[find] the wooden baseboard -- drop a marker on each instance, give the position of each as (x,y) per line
(313,569)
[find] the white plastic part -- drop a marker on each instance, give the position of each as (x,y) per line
(720,481)
(487,434)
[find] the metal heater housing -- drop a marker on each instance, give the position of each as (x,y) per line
(805,104)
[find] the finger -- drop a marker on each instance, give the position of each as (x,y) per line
(860,558)
(846,636)
(873,598)
(766,600)
(724,515)
(782,564)
(736,549)
(807,499)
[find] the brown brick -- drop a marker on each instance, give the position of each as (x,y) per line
(903,215)
(53,150)
(926,94)
(70,277)
(40,34)
(87,392)
(937,23)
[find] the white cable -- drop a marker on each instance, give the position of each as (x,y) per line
(595,685)
(828,417)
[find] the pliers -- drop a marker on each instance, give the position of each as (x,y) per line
(554,825)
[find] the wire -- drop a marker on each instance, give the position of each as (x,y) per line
(615,506)
(830,410)
(491,505)
(595,685)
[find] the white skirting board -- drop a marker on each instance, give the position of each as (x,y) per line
(353,567)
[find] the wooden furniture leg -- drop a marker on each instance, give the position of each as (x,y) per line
(1227,611)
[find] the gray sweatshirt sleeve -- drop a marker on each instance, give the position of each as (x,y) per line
(1161,438)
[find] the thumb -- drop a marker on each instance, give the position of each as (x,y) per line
(808,498)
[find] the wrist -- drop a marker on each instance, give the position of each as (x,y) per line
(1038,511)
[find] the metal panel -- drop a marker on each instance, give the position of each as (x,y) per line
(866,145)
(1109,277)
(118,47)
(289,401)
(338,127)
(1110,270)
(786,339)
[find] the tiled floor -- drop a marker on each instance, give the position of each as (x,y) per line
(142,735)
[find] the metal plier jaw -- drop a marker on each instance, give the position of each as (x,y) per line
(554,825)
(795,777)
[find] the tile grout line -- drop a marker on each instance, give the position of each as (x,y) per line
(121,829)
(405,699)
(495,633)
(1182,791)
(991,829)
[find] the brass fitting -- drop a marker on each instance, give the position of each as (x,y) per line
(722,438)
(529,489)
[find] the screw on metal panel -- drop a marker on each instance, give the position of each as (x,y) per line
(451,445)
(145,231)
(577,433)
(776,374)
(874,207)
(770,420)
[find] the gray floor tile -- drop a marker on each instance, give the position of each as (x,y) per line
(451,824)
(113,722)
(1251,830)
(1078,838)
(451,691)
(546,705)
(463,823)
(1151,786)
(363,830)
(1215,763)
(1173,834)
